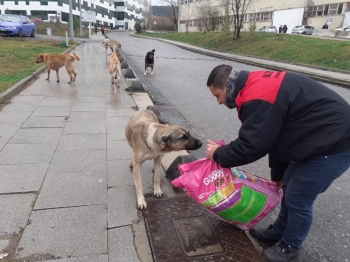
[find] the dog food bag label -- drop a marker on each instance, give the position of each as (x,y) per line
(233,195)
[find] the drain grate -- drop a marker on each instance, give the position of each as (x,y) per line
(180,230)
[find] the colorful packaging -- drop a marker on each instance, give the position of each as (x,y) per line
(233,195)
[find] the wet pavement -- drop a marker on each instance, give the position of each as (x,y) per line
(66,189)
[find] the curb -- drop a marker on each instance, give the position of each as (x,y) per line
(19,86)
(245,60)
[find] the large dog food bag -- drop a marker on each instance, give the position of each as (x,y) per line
(233,195)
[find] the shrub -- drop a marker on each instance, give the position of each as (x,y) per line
(138,27)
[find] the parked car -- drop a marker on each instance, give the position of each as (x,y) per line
(303,29)
(262,29)
(16,25)
(344,29)
(268,29)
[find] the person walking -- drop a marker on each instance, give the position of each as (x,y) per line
(302,125)
(325,26)
(103,29)
(285,28)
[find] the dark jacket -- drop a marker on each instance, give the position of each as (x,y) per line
(288,116)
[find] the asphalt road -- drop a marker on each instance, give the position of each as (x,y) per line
(179,87)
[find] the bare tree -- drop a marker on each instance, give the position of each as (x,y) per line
(173,12)
(226,24)
(209,17)
(239,9)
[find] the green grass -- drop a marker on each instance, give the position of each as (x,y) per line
(17,57)
(331,54)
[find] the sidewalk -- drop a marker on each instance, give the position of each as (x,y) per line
(66,190)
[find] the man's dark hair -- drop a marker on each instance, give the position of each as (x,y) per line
(219,76)
(153,50)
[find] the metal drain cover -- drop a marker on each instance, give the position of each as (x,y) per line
(197,236)
(180,230)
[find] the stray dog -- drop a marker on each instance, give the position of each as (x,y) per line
(113,45)
(149,61)
(55,62)
(151,140)
(114,68)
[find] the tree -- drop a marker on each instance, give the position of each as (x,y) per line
(226,25)
(239,9)
(137,27)
(209,17)
(173,12)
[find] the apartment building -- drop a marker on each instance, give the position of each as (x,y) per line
(120,14)
(335,13)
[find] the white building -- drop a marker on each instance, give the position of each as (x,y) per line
(121,14)
(269,12)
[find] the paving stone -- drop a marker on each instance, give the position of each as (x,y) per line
(52,111)
(137,86)
(80,122)
(77,189)
(14,212)
(19,107)
(71,142)
(66,232)
(37,136)
(78,161)
(27,153)
(119,111)
(14,116)
(90,99)
(27,99)
(122,209)
(97,258)
(45,121)
(7,131)
(89,107)
(119,173)
(121,246)
(22,178)
(118,150)
(57,101)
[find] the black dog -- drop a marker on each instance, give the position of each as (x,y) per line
(149,61)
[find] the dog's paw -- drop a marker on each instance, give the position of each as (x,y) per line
(151,74)
(158,192)
(141,203)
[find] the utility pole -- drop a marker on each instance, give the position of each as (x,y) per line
(71,21)
(81,26)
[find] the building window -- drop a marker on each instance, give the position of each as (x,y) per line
(257,17)
(266,16)
(311,11)
(251,17)
(335,9)
(319,10)
(27,2)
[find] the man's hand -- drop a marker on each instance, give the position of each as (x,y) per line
(211,147)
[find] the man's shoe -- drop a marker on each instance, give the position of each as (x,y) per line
(280,252)
(268,234)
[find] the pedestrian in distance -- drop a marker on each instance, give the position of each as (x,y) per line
(285,28)
(303,127)
(280,29)
(103,29)
(96,30)
(325,26)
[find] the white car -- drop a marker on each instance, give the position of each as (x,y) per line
(303,29)
(344,29)
(268,29)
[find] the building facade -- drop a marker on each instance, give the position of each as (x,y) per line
(336,13)
(120,14)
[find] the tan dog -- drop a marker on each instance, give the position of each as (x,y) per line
(114,68)
(55,62)
(113,45)
(151,140)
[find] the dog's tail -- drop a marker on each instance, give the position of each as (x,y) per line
(76,56)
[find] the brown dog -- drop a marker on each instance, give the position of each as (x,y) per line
(114,68)
(55,62)
(112,44)
(151,140)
